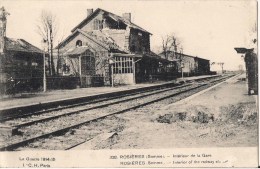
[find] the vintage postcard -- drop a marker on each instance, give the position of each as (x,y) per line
(129,84)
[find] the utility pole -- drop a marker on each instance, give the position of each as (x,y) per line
(44,71)
(111,62)
(240,68)
(189,70)
(112,74)
(44,74)
(221,64)
(182,63)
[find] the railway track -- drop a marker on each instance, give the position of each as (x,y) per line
(66,111)
(56,122)
(18,113)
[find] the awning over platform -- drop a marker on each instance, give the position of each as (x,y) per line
(149,55)
(243,50)
(126,55)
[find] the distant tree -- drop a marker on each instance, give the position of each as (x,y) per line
(171,43)
(172,49)
(165,45)
(47,28)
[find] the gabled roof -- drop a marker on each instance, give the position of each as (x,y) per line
(111,15)
(191,56)
(77,50)
(20,45)
(102,40)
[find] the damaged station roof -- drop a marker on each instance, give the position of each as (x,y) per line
(102,39)
(97,36)
(112,16)
(20,45)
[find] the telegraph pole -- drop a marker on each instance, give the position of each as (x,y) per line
(221,64)
(111,62)
(44,74)
(182,63)
(44,71)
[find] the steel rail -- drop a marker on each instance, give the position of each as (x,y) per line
(95,107)
(22,143)
(13,146)
(169,85)
(78,104)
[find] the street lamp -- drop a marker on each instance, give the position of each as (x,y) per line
(182,63)
(221,64)
(182,66)
(111,62)
(44,71)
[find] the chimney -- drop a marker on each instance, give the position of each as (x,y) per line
(127,16)
(89,11)
(3,20)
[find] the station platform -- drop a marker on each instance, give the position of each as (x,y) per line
(34,99)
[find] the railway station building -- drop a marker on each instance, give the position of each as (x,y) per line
(108,47)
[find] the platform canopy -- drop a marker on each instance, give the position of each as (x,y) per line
(126,55)
(243,50)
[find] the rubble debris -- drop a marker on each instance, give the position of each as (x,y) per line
(167,118)
(8,131)
(242,112)
(196,117)
(99,140)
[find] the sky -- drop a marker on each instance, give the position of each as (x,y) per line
(208,29)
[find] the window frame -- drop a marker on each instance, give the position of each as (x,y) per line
(123,65)
(79,43)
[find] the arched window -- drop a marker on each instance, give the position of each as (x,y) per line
(79,43)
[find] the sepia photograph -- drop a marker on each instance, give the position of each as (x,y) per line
(142,83)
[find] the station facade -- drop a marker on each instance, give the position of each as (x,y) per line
(109,46)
